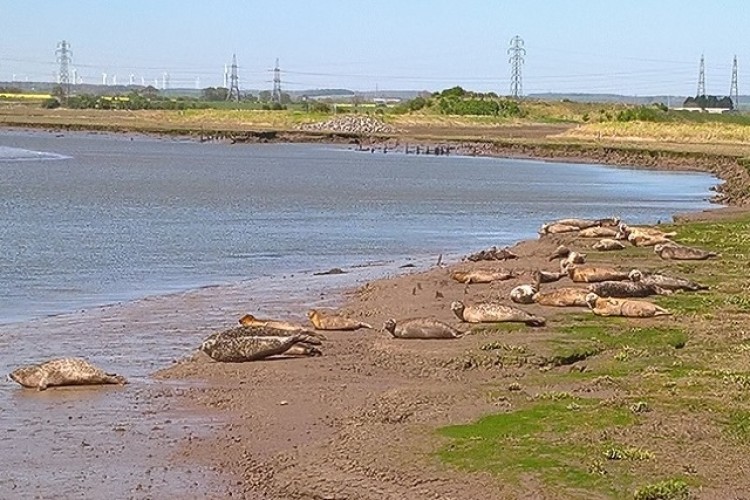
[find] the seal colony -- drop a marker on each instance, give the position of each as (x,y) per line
(602,290)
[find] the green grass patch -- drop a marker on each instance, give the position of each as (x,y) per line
(671,489)
(547,439)
(738,425)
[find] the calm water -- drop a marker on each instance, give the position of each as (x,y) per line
(89,219)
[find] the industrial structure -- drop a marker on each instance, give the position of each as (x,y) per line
(517,53)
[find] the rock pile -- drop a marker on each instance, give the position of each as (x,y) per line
(351,124)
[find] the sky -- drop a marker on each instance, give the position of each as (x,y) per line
(633,47)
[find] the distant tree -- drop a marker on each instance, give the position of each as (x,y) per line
(264,95)
(214,94)
(286,98)
(709,101)
(453,92)
(150,92)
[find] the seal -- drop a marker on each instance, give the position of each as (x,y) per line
(568,255)
(627,231)
(598,232)
(248,320)
(251,344)
(524,294)
(492,312)
(666,282)
(328,320)
(625,289)
(624,307)
(594,274)
(492,253)
(680,252)
(483,276)
(540,276)
(63,371)
(556,228)
(562,297)
(607,245)
(421,328)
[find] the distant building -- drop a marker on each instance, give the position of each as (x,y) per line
(708,104)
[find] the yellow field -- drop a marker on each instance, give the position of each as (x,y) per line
(714,133)
(30,97)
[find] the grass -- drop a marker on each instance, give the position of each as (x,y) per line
(553,439)
(665,378)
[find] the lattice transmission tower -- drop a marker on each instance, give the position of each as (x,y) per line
(517,53)
(702,78)
(734,91)
(234,81)
(64,57)
(276,95)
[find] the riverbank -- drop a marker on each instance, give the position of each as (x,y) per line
(361,422)
(550,141)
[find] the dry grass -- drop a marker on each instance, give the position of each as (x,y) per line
(723,133)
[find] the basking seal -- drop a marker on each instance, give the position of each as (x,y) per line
(421,328)
(556,228)
(598,232)
(523,294)
(594,274)
(492,253)
(628,231)
(238,345)
(248,320)
(568,255)
(328,320)
(624,307)
(562,297)
(540,276)
(624,289)
(680,252)
(483,276)
(666,282)
(491,312)
(607,245)
(63,371)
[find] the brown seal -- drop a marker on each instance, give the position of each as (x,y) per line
(625,289)
(421,328)
(594,274)
(562,297)
(608,245)
(250,344)
(666,282)
(483,276)
(558,297)
(63,371)
(540,276)
(568,255)
(598,232)
(248,320)
(680,252)
(555,228)
(329,320)
(624,307)
(492,312)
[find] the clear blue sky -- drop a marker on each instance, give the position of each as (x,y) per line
(634,47)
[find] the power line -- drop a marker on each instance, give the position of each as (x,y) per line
(734,92)
(234,82)
(276,95)
(64,56)
(702,79)
(516,52)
